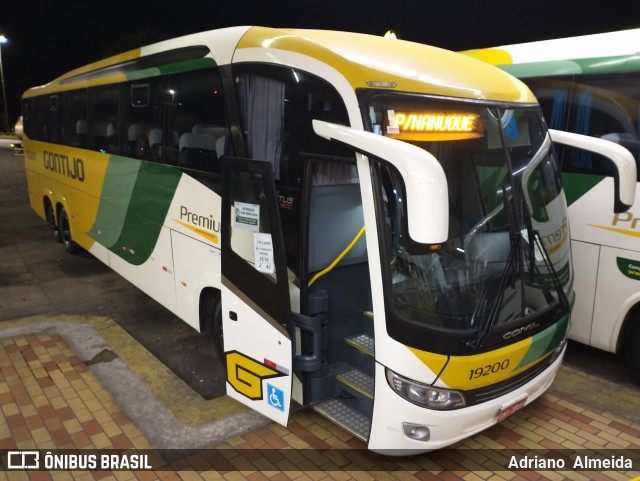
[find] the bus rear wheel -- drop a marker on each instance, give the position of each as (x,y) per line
(632,350)
(65,232)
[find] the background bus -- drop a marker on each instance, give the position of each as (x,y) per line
(591,85)
(231,174)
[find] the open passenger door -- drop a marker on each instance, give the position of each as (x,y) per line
(256,312)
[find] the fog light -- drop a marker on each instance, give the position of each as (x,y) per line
(416,431)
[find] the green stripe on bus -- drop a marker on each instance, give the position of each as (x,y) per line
(546,341)
(594,65)
(543,69)
(152,195)
(117,189)
(576,185)
(620,63)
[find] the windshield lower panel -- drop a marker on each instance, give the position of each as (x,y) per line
(505,269)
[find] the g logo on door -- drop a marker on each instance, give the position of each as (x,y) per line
(246,374)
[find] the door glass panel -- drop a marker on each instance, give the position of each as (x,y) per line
(251,230)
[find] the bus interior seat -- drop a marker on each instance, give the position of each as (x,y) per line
(336,217)
(103,135)
(488,252)
(155,142)
(133,133)
(219,132)
(81,133)
(212,129)
(221,145)
(198,151)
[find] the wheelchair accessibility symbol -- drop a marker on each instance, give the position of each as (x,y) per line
(275,397)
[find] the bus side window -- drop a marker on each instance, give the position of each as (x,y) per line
(55,127)
(142,114)
(26,117)
(103,119)
(37,123)
(196,134)
(262,104)
(75,125)
(293,98)
(604,106)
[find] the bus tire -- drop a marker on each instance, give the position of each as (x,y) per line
(65,232)
(51,219)
(632,349)
(218,334)
(211,318)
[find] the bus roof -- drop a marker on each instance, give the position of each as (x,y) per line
(597,53)
(364,60)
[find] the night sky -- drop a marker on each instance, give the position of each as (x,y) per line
(48,38)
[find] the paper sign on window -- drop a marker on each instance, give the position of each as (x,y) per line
(263,253)
(247,216)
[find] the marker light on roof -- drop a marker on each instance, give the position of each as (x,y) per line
(381,84)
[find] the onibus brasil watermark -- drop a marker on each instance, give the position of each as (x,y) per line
(37,460)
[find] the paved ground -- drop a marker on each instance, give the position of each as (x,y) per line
(66,384)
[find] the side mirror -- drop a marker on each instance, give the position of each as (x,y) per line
(621,158)
(425,181)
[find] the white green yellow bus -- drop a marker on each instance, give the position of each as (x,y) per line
(591,85)
(377,227)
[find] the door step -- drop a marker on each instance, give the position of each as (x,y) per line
(346,417)
(363,343)
(358,381)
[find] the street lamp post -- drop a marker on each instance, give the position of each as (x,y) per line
(3,39)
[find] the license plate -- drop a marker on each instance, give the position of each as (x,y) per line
(507,410)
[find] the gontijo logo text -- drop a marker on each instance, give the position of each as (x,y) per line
(64,165)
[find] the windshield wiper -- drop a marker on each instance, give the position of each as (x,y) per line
(562,296)
(497,302)
(515,237)
(535,239)
(534,242)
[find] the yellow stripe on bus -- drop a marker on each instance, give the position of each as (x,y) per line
(493,56)
(479,370)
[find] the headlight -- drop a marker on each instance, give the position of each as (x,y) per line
(424,395)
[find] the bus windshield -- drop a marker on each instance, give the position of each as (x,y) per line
(505,268)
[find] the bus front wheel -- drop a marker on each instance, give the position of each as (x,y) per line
(211,318)
(218,335)
(632,350)
(65,232)
(51,219)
